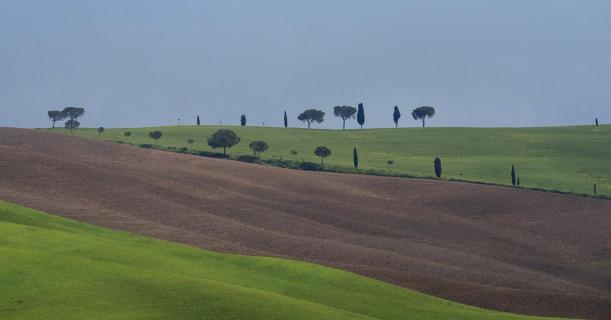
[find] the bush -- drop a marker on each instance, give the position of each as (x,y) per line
(248,158)
(212,154)
(310,166)
(146,146)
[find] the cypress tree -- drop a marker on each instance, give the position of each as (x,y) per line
(243,120)
(597,122)
(360,115)
(198,123)
(513,175)
(286,120)
(355,158)
(437,163)
(595,189)
(396,114)
(518,181)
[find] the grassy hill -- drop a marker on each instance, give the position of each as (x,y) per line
(569,159)
(54,268)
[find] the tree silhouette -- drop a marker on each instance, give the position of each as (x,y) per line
(55,115)
(72,113)
(360,115)
(243,120)
(311,115)
(595,121)
(100,131)
(390,163)
(396,115)
(355,158)
(513,175)
(223,138)
(127,134)
(155,135)
(286,120)
(257,147)
(422,113)
(322,152)
(198,123)
(344,112)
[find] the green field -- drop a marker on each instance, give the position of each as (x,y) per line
(54,268)
(570,159)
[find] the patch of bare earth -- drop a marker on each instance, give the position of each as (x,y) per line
(495,247)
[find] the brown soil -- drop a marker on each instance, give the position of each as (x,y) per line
(495,247)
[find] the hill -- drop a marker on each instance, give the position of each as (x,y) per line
(495,247)
(570,159)
(55,268)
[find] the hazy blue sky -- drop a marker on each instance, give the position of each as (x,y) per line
(142,63)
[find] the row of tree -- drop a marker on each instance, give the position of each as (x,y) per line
(70,113)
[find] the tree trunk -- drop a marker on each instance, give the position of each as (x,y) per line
(396,124)
(224,151)
(53,124)
(423,122)
(309,122)
(344,124)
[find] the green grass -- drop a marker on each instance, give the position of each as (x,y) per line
(54,268)
(569,159)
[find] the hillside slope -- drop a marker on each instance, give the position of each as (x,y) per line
(495,247)
(54,268)
(570,159)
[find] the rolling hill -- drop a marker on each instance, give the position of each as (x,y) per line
(570,159)
(54,268)
(495,247)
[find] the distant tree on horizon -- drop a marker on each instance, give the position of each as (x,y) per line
(322,152)
(360,115)
(311,115)
(422,113)
(286,120)
(596,121)
(223,138)
(513,175)
(100,131)
(190,142)
(243,120)
(198,123)
(355,158)
(55,115)
(437,164)
(257,147)
(127,134)
(344,112)
(72,113)
(396,115)
(155,135)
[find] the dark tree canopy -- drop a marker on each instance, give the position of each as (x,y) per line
(198,123)
(360,115)
(286,120)
(294,152)
(257,147)
(55,115)
(390,164)
(243,120)
(190,142)
(72,113)
(355,158)
(155,135)
(100,131)
(322,152)
(595,121)
(396,115)
(311,115)
(437,164)
(422,113)
(223,138)
(344,112)
(127,133)
(513,175)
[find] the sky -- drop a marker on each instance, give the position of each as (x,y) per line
(148,63)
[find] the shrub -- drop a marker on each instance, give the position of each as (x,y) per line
(248,158)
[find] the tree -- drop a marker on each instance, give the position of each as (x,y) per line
(390,163)
(257,147)
(437,164)
(72,113)
(595,120)
(223,138)
(100,131)
(155,135)
(198,123)
(294,152)
(344,112)
(360,115)
(311,115)
(355,158)
(513,175)
(127,134)
(190,142)
(422,113)
(396,115)
(243,120)
(518,181)
(322,152)
(55,115)
(286,120)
